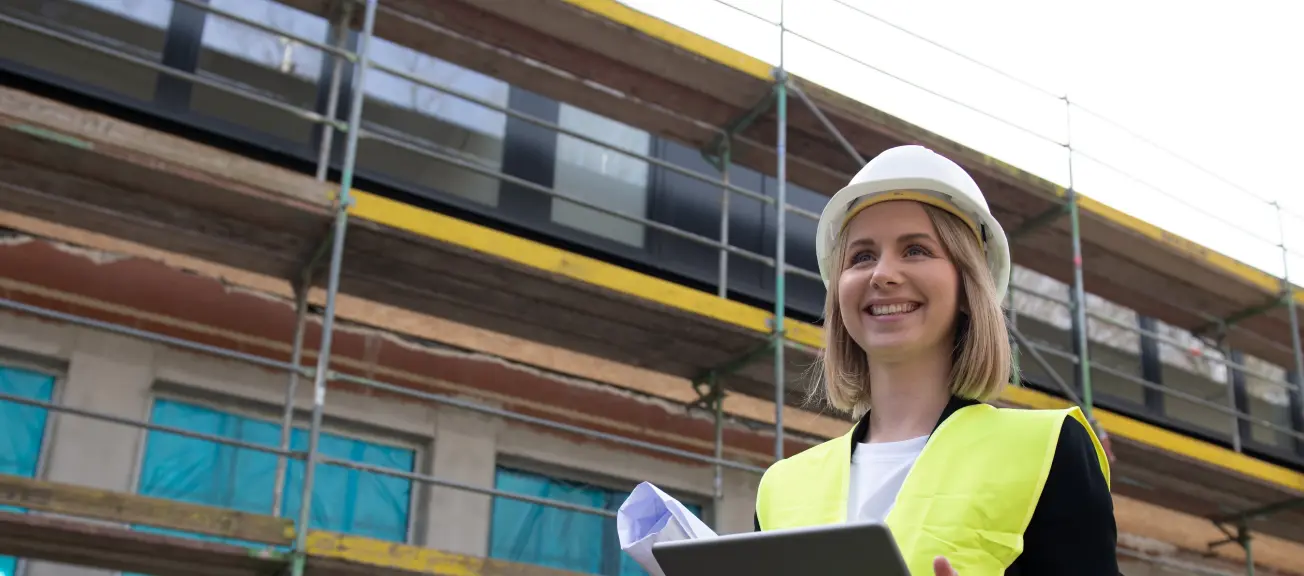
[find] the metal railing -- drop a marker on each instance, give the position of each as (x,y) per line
(356,129)
(322,375)
(1278,241)
(1077,293)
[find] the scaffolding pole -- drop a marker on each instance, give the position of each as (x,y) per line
(1232,372)
(1079,298)
(339,32)
(780,239)
(1241,522)
(828,125)
(1242,537)
(343,204)
(717,391)
(717,484)
(291,390)
(722,290)
(1288,290)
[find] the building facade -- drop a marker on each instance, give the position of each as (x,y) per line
(499,412)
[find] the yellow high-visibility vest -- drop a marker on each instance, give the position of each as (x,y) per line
(969,495)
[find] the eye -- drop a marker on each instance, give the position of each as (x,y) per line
(861,257)
(917,250)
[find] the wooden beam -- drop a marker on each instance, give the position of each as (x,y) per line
(123,508)
(74,128)
(1194,533)
(55,194)
(68,541)
(95,171)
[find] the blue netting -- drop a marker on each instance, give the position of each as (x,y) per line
(563,539)
(202,472)
(22,430)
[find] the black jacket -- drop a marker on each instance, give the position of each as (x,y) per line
(1072,531)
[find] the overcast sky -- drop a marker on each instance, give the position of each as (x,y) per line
(1221,87)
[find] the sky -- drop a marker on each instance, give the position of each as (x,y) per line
(1214,91)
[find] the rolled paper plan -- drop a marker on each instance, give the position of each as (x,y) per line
(649,516)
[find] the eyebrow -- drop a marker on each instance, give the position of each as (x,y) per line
(913,236)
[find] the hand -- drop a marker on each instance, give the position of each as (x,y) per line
(942,567)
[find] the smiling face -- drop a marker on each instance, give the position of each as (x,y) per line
(899,292)
(910,283)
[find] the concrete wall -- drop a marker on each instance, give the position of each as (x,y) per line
(121,376)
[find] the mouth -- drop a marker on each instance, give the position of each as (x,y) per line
(890,310)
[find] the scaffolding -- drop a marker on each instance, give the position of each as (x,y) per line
(327,261)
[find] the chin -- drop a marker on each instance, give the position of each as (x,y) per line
(894,344)
(898,342)
(891,347)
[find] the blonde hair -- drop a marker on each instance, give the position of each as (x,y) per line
(981,359)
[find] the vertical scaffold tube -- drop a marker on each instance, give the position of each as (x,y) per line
(291,390)
(1247,542)
(717,487)
(723,288)
(1079,298)
(1288,290)
(780,240)
(339,33)
(333,278)
(1231,387)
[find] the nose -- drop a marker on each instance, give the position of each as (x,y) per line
(887,273)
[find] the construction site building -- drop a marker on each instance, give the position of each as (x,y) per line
(460,273)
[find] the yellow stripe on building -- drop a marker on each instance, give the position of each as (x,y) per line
(1190,249)
(676,36)
(413,559)
(548,259)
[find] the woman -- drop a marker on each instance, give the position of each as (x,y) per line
(916,269)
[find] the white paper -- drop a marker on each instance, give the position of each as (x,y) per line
(649,516)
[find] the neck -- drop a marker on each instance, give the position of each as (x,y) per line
(908,397)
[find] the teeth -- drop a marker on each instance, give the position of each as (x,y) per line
(886,309)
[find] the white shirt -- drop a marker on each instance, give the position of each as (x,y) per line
(877,472)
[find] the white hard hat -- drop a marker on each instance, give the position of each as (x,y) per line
(919,174)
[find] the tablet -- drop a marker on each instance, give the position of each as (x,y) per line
(831,550)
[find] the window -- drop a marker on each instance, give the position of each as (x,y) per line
(602,176)
(433,120)
(1267,397)
(1037,310)
(409,95)
(202,472)
(22,431)
(152,12)
(262,63)
(564,539)
(135,27)
(260,47)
